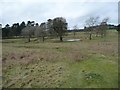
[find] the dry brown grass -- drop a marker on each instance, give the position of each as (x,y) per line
(48,64)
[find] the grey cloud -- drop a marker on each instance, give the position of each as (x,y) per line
(74,12)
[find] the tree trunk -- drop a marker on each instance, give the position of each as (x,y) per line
(90,36)
(74,33)
(28,38)
(102,35)
(97,33)
(61,38)
(43,39)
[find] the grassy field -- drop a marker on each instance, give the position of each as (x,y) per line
(52,64)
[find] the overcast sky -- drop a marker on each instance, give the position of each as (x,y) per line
(75,11)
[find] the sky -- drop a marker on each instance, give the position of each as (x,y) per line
(74,11)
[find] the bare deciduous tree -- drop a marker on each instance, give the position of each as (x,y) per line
(103,27)
(90,23)
(75,29)
(28,31)
(41,31)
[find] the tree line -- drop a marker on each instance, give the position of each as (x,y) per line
(53,27)
(96,27)
(56,27)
